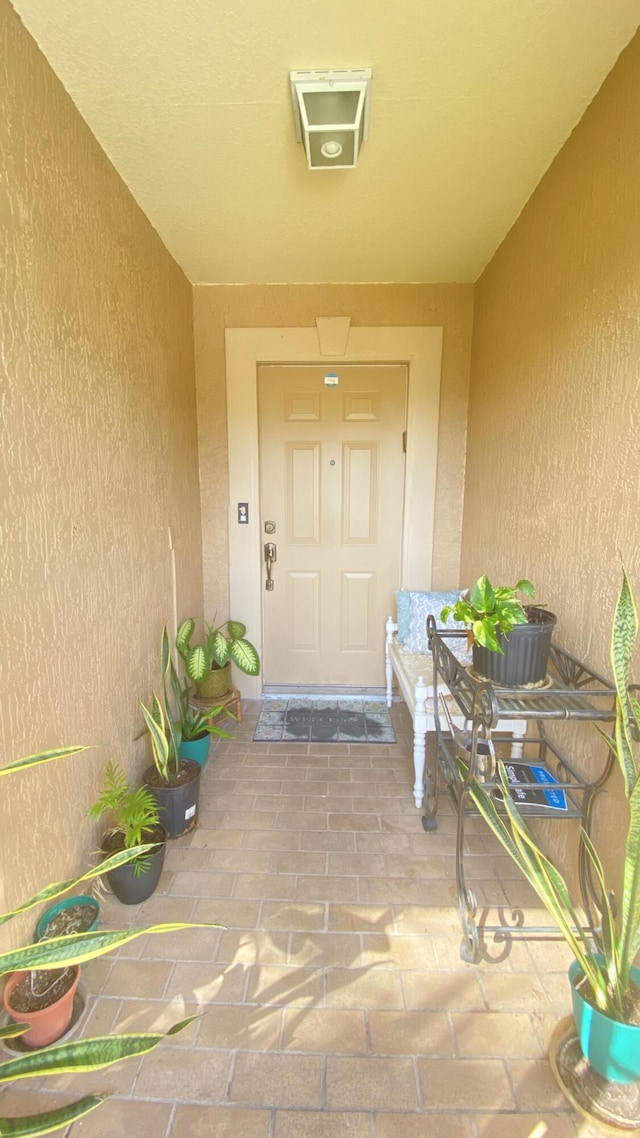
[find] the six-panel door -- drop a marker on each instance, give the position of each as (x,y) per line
(331,476)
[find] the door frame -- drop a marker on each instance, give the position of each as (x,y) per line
(420,349)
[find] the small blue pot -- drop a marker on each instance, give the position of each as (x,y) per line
(612,1048)
(196,749)
(68,903)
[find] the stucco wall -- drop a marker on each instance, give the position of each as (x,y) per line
(217,307)
(98,458)
(553,455)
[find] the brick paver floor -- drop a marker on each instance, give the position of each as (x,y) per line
(334,1002)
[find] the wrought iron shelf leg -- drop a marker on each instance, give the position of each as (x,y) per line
(467,903)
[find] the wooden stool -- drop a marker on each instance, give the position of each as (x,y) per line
(229,703)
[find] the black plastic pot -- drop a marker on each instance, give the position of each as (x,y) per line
(178,805)
(525,653)
(132,888)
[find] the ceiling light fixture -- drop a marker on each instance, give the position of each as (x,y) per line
(331,109)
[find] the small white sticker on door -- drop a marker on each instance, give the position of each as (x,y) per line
(189,813)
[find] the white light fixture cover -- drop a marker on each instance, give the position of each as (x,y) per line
(331,110)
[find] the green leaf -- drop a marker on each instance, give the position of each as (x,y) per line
(630,906)
(219,648)
(245,656)
(181,698)
(33,1125)
(510,614)
(484,633)
(50,892)
(184,634)
(623,638)
(482,597)
(236,629)
(40,757)
(86,1054)
(65,951)
(165,651)
(197,664)
(157,712)
(526,588)
(11,1031)
(159,744)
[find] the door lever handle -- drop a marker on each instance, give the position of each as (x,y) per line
(269,557)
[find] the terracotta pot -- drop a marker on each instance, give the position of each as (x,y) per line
(47,1024)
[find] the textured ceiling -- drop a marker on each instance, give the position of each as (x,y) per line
(471,101)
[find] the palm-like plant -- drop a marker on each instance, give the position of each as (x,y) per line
(63,952)
(135,813)
(606,960)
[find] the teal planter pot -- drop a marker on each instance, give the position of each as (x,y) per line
(612,1048)
(196,749)
(62,907)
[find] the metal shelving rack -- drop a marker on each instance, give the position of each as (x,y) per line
(572,691)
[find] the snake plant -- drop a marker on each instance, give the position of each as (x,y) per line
(62,952)
(607,958)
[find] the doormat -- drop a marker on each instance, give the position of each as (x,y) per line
(313,720)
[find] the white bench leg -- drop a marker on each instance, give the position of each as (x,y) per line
(390,629)
(419,740)
(519,732)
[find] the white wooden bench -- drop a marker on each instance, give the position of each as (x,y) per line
(414,674)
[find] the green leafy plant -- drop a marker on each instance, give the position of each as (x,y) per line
(135,812)
(165,739)
(217,649)
(63,952)
(193,721)
(165,731)
(490,611)
(605,959)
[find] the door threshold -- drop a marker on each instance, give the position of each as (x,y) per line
(329,691)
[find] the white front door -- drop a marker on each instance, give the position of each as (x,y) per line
(331,479)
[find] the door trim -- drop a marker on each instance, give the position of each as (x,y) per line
(246,348)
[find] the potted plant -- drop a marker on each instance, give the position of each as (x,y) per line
(64,952)
(510,641)
(43,1001)
(605,984)
(196,725)
(135,822)
(173,782)
(208,664)
(76,914)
